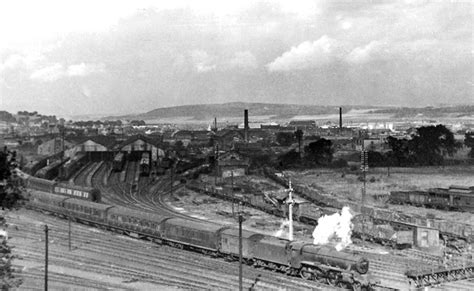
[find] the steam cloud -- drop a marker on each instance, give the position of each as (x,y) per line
(334,228)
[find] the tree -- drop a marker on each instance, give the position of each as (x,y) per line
(288,159)
(320,152)
(285,138)
(400,154)
(431,144)
(469,142)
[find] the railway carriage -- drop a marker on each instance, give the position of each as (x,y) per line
(229,242)
(142,223)
(311,262)
(86,211)
(51,203)
(40,184)
(192,234)
(85,193)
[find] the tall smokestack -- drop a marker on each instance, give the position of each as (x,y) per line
(246,124)
(340,117)
(215,123)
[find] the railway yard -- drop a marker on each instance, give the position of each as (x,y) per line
(101,259)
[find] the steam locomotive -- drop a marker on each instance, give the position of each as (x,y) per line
(312,262)
(145,164)
(118,162)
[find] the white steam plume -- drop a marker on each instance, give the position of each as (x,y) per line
(334,228)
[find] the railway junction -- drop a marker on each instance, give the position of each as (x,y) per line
(169,194)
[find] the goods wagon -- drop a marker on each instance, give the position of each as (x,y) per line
(454,198)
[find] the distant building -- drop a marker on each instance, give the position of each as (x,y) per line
(53,146)
(232,164)
(302,124)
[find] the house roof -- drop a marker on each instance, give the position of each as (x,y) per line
(132,139)
(106,141)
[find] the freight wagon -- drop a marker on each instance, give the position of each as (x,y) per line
(453,198)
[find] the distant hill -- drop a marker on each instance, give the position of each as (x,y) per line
(236,109)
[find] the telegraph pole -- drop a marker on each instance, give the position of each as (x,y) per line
(232,189)
(364,166)
(46,259)
(69,232)
(241,219)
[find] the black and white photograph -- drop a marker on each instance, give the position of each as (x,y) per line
(237,145)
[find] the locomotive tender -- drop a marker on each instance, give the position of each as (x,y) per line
(313,262)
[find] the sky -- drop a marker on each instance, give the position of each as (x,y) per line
(106,57)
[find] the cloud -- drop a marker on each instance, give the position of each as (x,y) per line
(83,69)
(57,71)
(307,55)
(243,60)
(365,53)
(49,74)
(202,61)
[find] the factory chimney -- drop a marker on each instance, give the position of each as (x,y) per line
(340,118)
(246,125)
(215,124)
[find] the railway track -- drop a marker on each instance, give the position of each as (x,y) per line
(149,197)
(131,260)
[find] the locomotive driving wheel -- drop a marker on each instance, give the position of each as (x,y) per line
(306,273)
(332,278)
